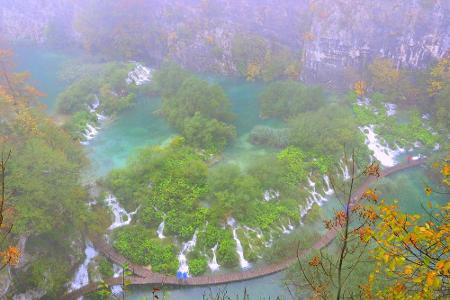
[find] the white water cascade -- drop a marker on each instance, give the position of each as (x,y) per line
(271,194)
(345,171)
(121,216)
(213,265)
(82,276)
(90,132)
(391,109)
(117,290)
(160,231)
(239,250)
(329,190)
(314,198)
(187,247)
(381,152)
(139,75)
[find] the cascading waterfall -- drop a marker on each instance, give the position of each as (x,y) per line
(345,171)
(239,250)
(258,231)
(139,75)
(391,108)
(314,197)
(117,289)
(121,216)
(381,152)
(269,243)
(187,247)
(213,265)
(271,194)
(160,231)
(82,276)
(329,190)
(90,132)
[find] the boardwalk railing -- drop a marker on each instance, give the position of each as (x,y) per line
(143,275)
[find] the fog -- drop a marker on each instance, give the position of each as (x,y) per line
(223,149)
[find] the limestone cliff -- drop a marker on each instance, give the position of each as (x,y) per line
(327,36)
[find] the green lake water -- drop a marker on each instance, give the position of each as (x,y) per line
(43,65)
(138,127)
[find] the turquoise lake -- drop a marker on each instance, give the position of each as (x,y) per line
(138,127)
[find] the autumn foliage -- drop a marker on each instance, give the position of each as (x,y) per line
(11,254)
(408,254)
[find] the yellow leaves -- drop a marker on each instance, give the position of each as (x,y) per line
(440,76)
(445,171)
(292,71)
(360,88)
(253,71)
(443,266)
(430,278)
(428,191)
(408,270)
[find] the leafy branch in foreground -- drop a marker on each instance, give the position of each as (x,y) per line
(381,252)
(11,254)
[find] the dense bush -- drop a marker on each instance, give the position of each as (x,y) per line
(264,135)
(109,85)
(136,243)
(286,99)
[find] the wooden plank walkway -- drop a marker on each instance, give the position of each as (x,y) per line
(143,275)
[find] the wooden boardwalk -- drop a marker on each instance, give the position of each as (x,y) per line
(143,275)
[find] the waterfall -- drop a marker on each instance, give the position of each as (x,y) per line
(239,250)
(90,132)
(329,190)
(121,216)
(345,171)
(290,226)
(139,75)
(187,247)
(94,105)
(258,231)
(314,197)
(82,276)
(269,243)
(271,194)
(284,230)
(391,108)
(117,290)
(160,230)
(213,265)
(382,153)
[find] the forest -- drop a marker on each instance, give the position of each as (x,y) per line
(224,150)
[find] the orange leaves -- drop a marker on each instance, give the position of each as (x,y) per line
(360,88)
(365,233)
(370,195)
(315,261)
(372,170)
(10,256)
(443,266)
(309,36)
(340,218)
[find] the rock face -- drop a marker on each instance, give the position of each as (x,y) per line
(32,20)
(328,36)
